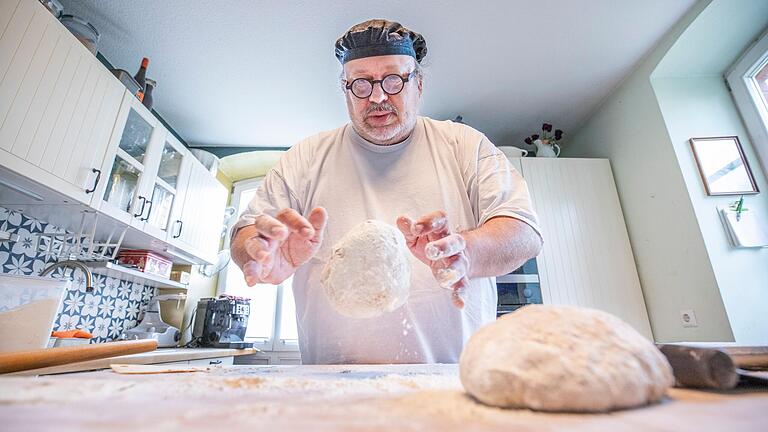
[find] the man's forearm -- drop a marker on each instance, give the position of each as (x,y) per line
(499,246)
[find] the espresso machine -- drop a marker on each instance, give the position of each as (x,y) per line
(222,322)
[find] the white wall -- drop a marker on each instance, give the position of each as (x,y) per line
(680,250)
(702,106)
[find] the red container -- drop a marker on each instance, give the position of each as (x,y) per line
(146,261)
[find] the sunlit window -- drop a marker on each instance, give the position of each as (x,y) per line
(748,82)
(272,322)
(761,82)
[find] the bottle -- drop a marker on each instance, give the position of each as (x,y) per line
(141,78)
(149,86)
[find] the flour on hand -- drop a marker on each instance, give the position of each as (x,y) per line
(563,358)
(369,272)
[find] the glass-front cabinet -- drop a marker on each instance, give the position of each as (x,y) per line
(152,182)
(131,165)
(167,186)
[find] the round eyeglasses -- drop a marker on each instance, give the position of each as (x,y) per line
(391,84)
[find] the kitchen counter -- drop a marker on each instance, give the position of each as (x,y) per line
(160,355)
(317,398)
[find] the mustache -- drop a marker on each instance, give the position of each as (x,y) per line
(382,107)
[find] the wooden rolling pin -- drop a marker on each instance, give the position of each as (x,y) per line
(35,359)
(715,368)
(748,357)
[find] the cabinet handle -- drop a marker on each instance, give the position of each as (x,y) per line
(181,226)
(149,211)
(143,204)
(95,183)
(214,362)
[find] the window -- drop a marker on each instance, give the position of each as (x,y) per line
(272,322)
(748,79)
(761,79)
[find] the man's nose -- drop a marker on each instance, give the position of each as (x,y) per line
(378,95)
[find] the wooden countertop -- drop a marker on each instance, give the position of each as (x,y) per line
(160,355)
(319,398)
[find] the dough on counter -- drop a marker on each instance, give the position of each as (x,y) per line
(369,271)
(563,358)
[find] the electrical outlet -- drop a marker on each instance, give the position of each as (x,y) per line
(688,318)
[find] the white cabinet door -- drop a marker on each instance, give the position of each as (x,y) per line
(197,227)
(166,186)
(7,9)
(176,225)
(587,259)
(57,102)
(130,165)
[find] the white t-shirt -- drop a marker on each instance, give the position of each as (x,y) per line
(442,166)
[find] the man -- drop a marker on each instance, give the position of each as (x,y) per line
(473,216)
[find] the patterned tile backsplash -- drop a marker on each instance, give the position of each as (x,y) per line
(113,306)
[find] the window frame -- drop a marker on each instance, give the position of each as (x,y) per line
(274,343)
(748,97)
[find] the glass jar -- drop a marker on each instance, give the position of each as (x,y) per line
(54,6)
(83,31)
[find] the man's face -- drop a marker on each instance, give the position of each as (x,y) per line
(382,118)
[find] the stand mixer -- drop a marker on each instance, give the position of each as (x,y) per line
(152,325)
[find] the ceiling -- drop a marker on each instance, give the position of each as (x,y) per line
(704,49)
(263,74)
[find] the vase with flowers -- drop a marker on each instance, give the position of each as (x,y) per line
(548,143)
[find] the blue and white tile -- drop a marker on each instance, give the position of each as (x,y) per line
(106,307)
(18,265)
(74,302)
(121,309)
(124,289)
(101,327)
(91,306)
(68,322)
(115,305)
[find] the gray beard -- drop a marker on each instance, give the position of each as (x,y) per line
(388,135)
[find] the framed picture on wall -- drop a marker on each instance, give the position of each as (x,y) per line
(722,165)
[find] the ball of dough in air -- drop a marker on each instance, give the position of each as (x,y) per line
(369,272)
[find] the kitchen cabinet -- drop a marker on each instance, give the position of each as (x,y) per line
(587,259)
(71,134)
(169,186)
(130,164)
(144,171)
(198,215)
(57,102)
(155,185)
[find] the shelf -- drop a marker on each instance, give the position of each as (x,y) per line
(118,271)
